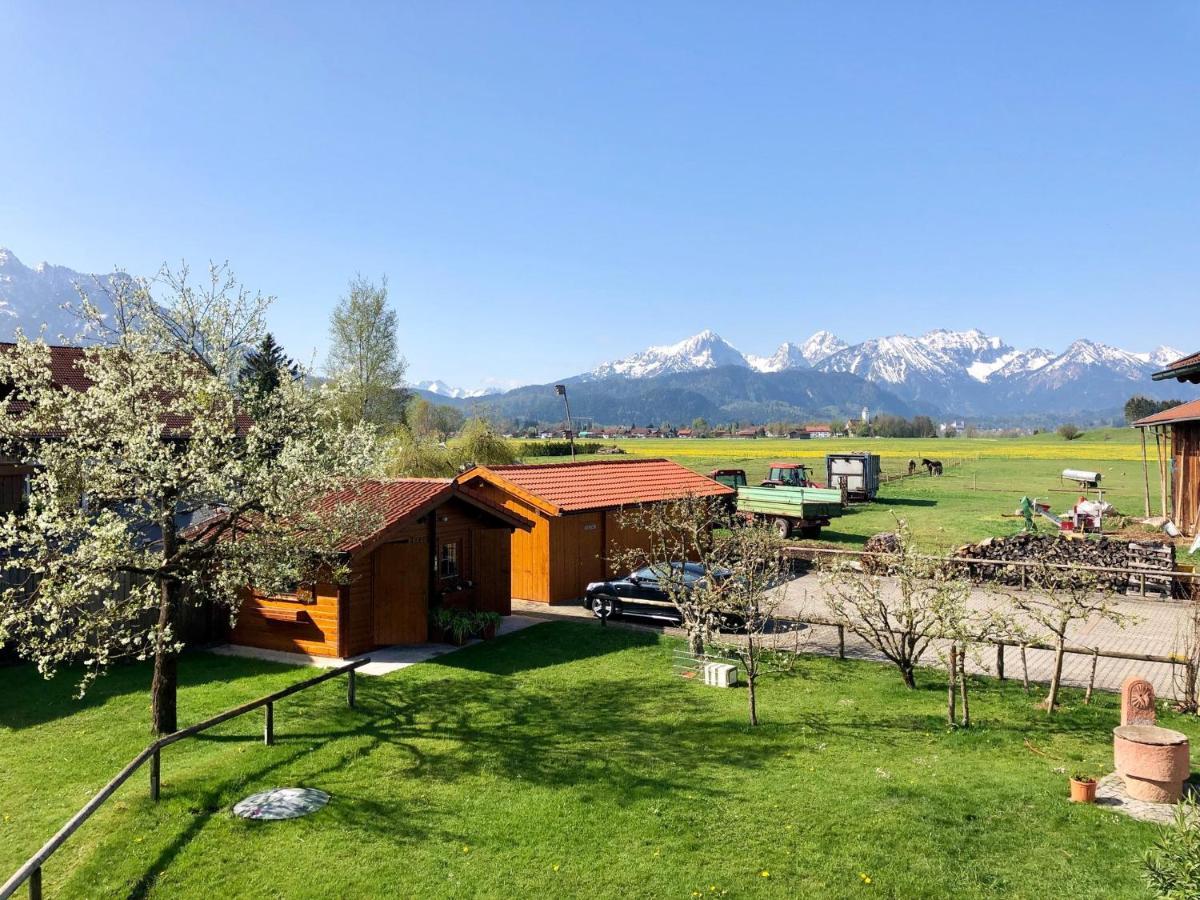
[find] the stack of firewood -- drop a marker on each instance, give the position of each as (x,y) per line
(1105,553)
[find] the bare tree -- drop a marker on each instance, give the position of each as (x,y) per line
(1060,598)
(747,570)
(1187,648)
(665,535)
(900,613)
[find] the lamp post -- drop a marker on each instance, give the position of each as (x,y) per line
(561,390)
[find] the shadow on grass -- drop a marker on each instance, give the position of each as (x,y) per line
(56,697)
(613,726)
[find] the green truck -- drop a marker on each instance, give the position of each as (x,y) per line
(802,511)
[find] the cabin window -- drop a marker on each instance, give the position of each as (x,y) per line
(449,560)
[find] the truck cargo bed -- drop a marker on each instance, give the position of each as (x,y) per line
(792,502)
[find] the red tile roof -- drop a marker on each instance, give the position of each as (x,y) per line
(1185,412)
(399,500)
(1185,369)
(66,372)
(573,487)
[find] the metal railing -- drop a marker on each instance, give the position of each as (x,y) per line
(31,871)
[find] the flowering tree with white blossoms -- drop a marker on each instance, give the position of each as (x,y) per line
(159,485)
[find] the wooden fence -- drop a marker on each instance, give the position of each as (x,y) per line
(31,871)
(813,554)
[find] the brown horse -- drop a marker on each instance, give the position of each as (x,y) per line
(934,466)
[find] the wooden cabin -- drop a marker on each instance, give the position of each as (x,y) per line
(437,543)
(1177,435)
(576,510)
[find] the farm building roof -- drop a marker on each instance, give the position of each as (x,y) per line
(573,487)
(1185,369)
(1184,412)
(66,371)
(400,500)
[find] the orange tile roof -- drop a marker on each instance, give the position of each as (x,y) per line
(398,500)
(573,487)
(1184,412)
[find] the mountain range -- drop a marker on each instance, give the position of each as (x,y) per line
(941,373)
(33,298)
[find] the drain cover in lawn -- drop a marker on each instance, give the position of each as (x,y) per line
(281,803)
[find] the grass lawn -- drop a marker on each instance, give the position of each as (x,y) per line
(565,760)
(985,478)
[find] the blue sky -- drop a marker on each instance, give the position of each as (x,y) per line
(548,185)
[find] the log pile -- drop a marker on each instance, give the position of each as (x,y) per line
(1148,556)
(886,542)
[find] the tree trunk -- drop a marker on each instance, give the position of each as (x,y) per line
(166,667)
(1056,676)
(962,675)
(166,660)
(952,681)
(752,679)
(906,672)
(696,640)
(1024,670)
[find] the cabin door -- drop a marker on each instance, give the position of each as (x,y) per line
(402,593)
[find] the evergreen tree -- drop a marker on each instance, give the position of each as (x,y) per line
(265,366)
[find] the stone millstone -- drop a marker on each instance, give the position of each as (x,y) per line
(281,803)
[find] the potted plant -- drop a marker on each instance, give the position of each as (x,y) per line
(457,626)
(1083,789)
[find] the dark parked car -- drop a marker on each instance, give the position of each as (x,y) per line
(642,594)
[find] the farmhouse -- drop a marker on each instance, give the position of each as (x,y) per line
(1177,436)
(437,543)
(576,510)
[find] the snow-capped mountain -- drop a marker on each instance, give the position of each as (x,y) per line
(706,350)
(1161,356)
(821,345)
(788,356)
(33,298)
(441,389)
(961,372)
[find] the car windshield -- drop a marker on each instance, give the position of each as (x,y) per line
(691,572)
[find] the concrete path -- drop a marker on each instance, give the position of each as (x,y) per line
(383,661)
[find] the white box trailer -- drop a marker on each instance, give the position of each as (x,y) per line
(857,472)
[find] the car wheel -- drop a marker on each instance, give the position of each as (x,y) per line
(782,527)
(604,607)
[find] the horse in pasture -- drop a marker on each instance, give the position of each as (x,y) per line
(934,466)
(912,467)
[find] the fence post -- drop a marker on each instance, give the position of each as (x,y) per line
(35,884)
(350,689)
(841,641)
(155,772)
(1000,661)
(269,724)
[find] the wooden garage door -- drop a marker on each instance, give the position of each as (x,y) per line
(402,594)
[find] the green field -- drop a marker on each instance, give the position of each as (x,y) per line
(567,760)
(984,478)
